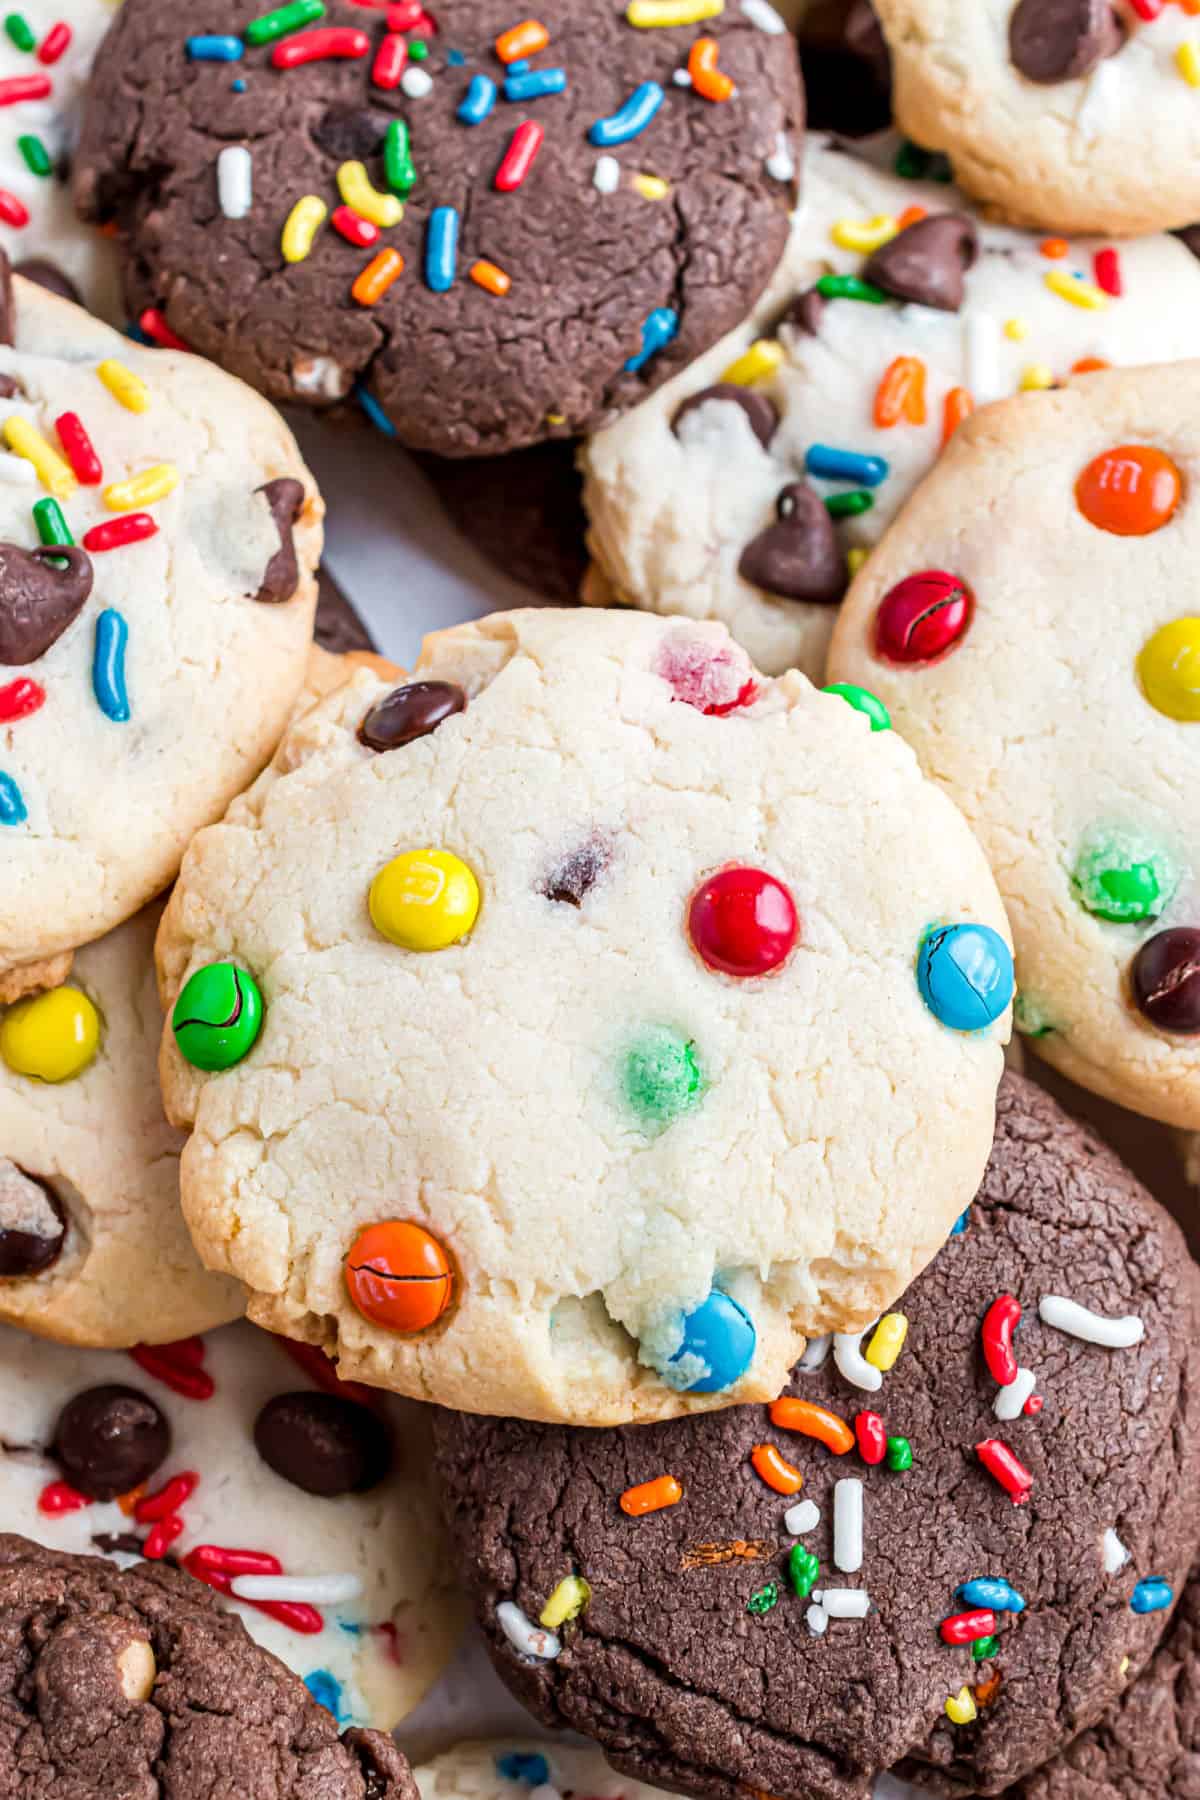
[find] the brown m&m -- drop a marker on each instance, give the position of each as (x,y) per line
(33,1228)
(410,712)
(1166,980)
(323,1443)
(110,1439)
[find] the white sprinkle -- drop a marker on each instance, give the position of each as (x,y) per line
(1115,1553)
(852,1364)
(681,78)
(843,1603)
(781,164)
(524,1636)
(1010,1401)
(235,181)
(848,1525)
(765,17)
(1081,1322)
(817,1620)
(16,469)
(606,176)
(416,83)
(545,1792)
(815,1353)
(983,358)
(804,1516)
(313,1590)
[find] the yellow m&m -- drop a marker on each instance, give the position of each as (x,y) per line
(52,1036)
(1169,670)
(424,900)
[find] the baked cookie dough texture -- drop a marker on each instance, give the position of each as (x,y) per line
(685,496)
(1075,116)
(1043,665)
(600,1130)
(141,686)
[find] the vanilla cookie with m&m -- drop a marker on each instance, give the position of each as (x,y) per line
(591,868)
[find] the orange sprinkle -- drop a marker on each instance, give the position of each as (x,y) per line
(525,39)
(1190,6)
(707,79)
(775,1470)
(1087,364)
(378,276)
(815,1422)
(910,216)
(958,406)
(487,275)
(1055,248)
(987,1690)
(128,1502)
(901,393)
(651,1496)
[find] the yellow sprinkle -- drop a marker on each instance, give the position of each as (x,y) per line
(303,223)
(1187,60)
(961,1708)
(566,1602)
(887,1341)
(1124,1669)
(124,386)
(54,473)
(651,187)
(1079,293)
(354,185)
(755,364)
(855,559)
(648,13)
(864,235)
(556,418)
(1016,329)
(143,490)
(1036,377)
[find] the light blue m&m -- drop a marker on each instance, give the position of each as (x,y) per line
(721,1334)
(965,974)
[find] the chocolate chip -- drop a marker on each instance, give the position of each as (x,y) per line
(1060,40)
(926,262)
(41,592)
(110,1439)
(9,387)
(807,312)
(761,413)
(410,712)
(323,1444)
(117,1543)
(33,1226)
(799,556)
(575,876)
(349,133)
(285,498)
(1166,980)
(46,274)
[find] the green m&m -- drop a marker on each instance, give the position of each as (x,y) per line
(863,701)
(218,1017)
(1121,878)
(661,1078)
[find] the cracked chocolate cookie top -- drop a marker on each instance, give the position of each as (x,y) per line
(903,1562)
(137,1683)
(556,217)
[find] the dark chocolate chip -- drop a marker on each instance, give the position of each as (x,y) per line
(761,413)
(798,557)
(117,1543)
(33,1226)
(338,627)
(46,274)
(41,592)
(410,712)
(110,1439)
(349,133)
(575,876)
(285,498)
(926,262)
(847,69)
(807,312)
(1166,980)
(8,309)
(1059,40)
(8,387)
(323,1444)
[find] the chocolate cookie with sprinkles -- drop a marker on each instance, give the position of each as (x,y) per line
(945,1549)
(499,230)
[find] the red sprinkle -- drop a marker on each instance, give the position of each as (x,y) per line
(114,534)
(322,1372)
(81,453)
(20,699)
(390,60)
(13,211)
(61,1497)
(1005,1468)
(1001,1320)
(404,14)
(354,228)
(55,42)
(872,1437)
(216,1559)
(1034,1405)
(523,147)
(425,27)
(159,1540)
(964,1628)
(1106,268)
(25,87)
(1147,9)
(153,322)
(324,45)
(178,1366)
(168,1499)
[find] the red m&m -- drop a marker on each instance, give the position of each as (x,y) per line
(922,617)
(743,922)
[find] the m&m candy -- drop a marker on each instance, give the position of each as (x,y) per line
(1130,491)
(721,1335)
(922,617)
(218,1017)
(1166,980)
(1169,670)
(863,701)
(399,1276)
(743,922)
(1120,879)
(51,1036)
(424,900)
(965,974)
(661,1078)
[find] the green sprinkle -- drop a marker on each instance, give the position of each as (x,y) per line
(1029,1018)
(51,525)
(985,1648)
(899,1455)
(863,701)
(284,19)
(1121,877)
(20,31)
(398,166)
(849,506)
(418,49)
(803,1570)
(763,1600)
(850,287)
(661,1078)
(37,157)
(911,161)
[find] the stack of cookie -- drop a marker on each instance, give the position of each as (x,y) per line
(567,1081)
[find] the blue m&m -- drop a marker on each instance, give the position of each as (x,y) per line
(965,974)
(720,1334)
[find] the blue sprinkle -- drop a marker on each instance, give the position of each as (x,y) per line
(211,48)
(659,328)
(455,59)
(479,101)
(523,1765)
(13,810)
(631,120)
(138,336)
(992,1592)
(721,1334)
(441,249)
(520,67)
(108,666)
(845,465)
(960,1224)
(965,974)
(326,1690)
(1152,1596)
(238,86)
(534,85)
(375,412)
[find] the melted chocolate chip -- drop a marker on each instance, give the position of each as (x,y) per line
(41,593)
(1166,980)
(798,557)
(349,133)
(110,1439)
(33,1226)
(577,874)
(807,312)
(410,712)
(46,274)
(285,498)
(761,413)
(323,1444)
(1059,40)
(926,262)
(117,1543)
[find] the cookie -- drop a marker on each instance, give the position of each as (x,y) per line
(851,389)
(339,629)
(137,1683)
(530,249)
(1041,106)
(587,868)
(847,68)
(93,1247)
(523,512)
(221,1445)
(902,1562)
(147,667)
(512,1770)
(1024,624)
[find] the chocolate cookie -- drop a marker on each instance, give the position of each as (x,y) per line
(338,628)
(959,1589)
(523,512)
(530,227)
(137,1683)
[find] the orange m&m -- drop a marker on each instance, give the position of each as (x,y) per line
(399,1276)
(1131,490)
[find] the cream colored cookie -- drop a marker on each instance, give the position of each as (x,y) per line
(677,500)
(1064,115)
(1029,623)
(373,1647)
(141,687)
(615,1145)
(93,1248)
(513,1769)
